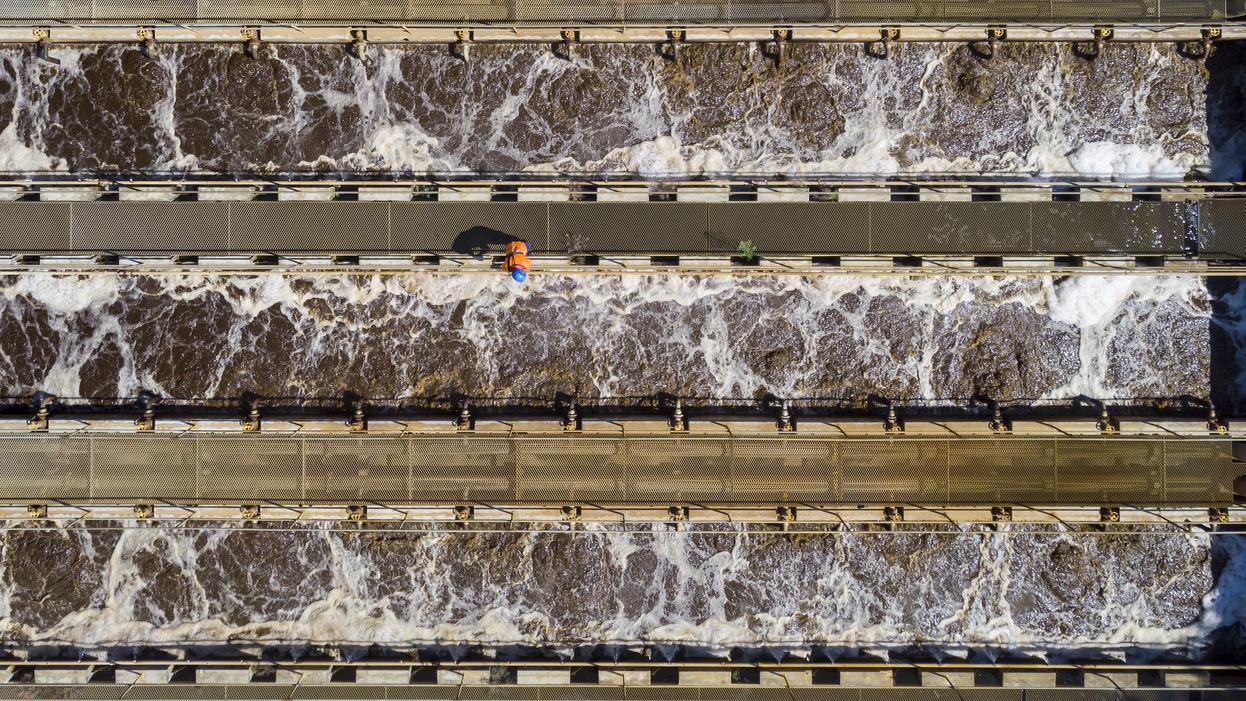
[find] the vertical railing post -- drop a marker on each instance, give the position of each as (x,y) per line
(303,470)
(517,484)
(1055,470)
(91,467)
(1163,474)
(947,473)
(837,470)
(621,446)
(197,465)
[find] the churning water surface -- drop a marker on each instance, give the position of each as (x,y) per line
(1138,111)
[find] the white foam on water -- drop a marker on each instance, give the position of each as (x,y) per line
(887,108)
(1105,307)
(700,318)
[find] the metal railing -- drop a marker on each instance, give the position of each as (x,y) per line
(613,12)
(651,469)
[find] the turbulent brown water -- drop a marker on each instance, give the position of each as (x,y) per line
(1140,110)
(421,335)
(950,588)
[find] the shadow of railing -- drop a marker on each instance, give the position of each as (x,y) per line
(1226,361)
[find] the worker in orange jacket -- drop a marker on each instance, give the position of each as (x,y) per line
(517,261)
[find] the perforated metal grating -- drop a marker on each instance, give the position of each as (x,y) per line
(622,227)
(614,11)
(657,469)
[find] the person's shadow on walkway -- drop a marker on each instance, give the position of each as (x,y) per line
(479,240)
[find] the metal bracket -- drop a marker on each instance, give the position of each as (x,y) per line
(359,44)
(461,48)
(251,42)
(43,411)
(674,40)
(147,42)
(251,422)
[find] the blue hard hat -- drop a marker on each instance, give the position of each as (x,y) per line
(519,274)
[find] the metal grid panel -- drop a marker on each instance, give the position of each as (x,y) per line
(1187,467)
(743,693)
(634,470)
(620,227)
(257,690)
(1222,228)
(964,694)
(35,467)
(142,468)
(1121,471)
(677,11)
(499,693)
(467,227)
(420,691)
(143,9)
(824,693)
(992,471)
(614,11)
(791,227)
(584,692)
(586,10)
(1071,9)
(354,9)
(570,469)
(683,469)
(334,691)
(459,469)
(469,10)
(1073,695)
(253,469)
(48,9)
(937,694)
(1191,9)
(949,227)
(628,227)
(894,471)
(170,691)
(785,470)
(662,693)
(240,9)
(88,692)
(34,226)
(357,469)
(1109,227)
(150,226)
(309,226)
(793,11)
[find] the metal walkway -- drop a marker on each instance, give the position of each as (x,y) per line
(619,12)
(640,469)
(1211,229)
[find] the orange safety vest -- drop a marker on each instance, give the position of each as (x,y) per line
(516,257)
